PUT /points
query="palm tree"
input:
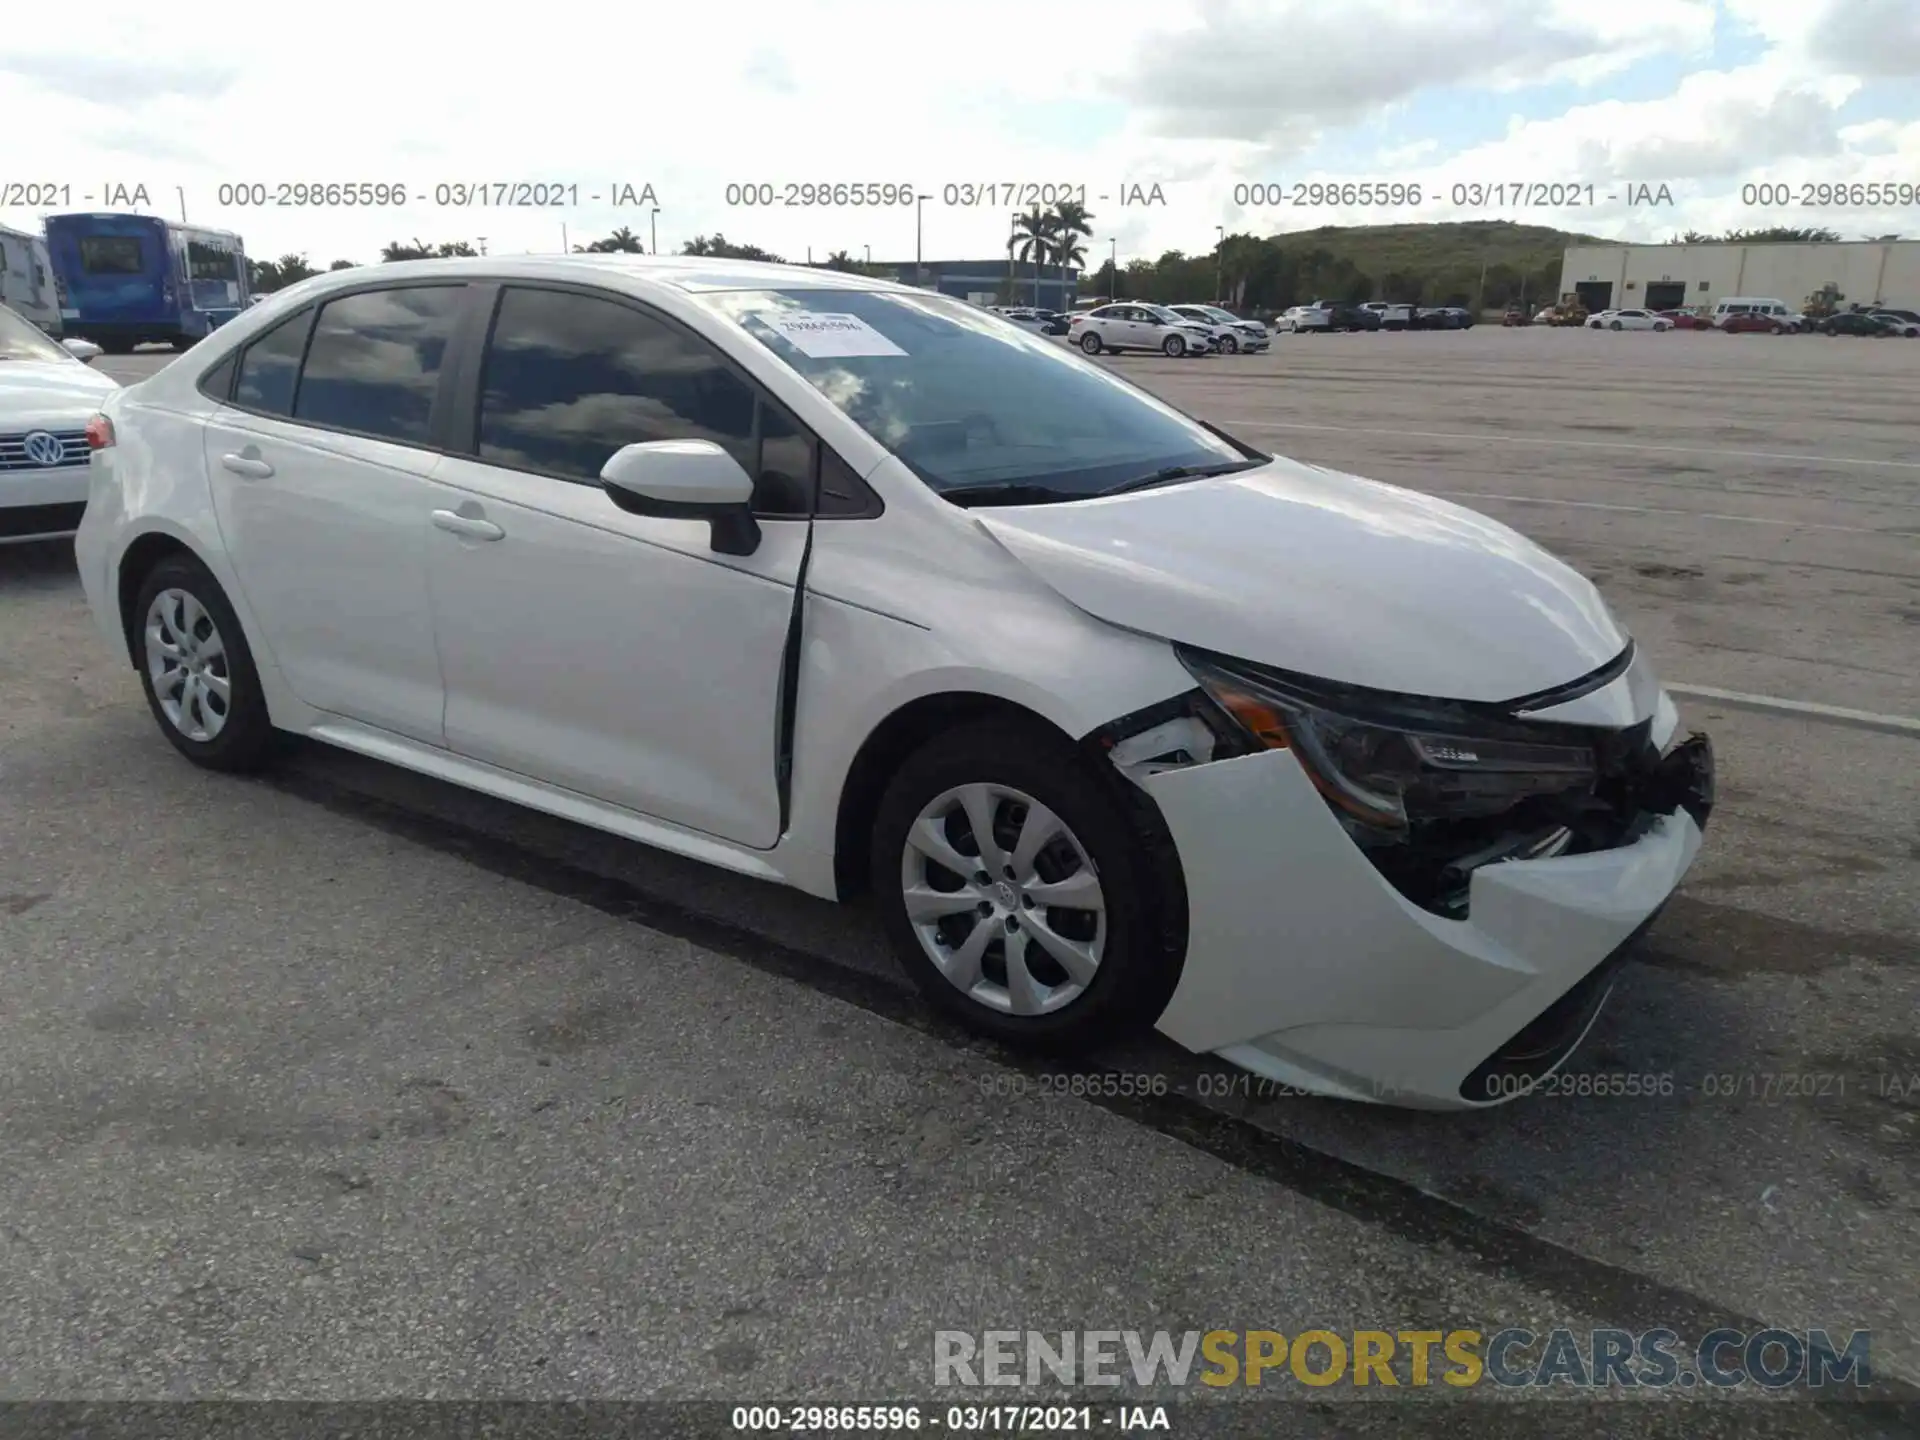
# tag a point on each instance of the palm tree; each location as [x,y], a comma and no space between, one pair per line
[621,242]
[1072,223]
[1073,218]
[1032,239]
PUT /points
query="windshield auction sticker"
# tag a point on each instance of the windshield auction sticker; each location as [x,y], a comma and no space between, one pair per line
[828,337]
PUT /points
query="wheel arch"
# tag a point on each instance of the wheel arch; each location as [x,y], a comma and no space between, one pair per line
[136,562]
[887,746]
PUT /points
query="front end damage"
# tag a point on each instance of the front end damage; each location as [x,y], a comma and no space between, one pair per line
[1411,901]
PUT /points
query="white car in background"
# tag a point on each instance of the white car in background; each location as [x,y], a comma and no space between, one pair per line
[1121,720]
[1305,317]
[47,397]
[1230,333]
[1132,325]
[1628,320]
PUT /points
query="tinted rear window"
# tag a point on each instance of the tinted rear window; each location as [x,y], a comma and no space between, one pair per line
[270,365]
[374,363]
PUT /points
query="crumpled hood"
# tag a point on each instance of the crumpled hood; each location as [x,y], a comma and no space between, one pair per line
[1327,575]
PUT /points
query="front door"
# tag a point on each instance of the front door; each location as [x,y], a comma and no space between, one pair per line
[320,484]
[614,655]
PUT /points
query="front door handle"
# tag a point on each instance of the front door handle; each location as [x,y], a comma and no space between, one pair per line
[247,465]
[471,526]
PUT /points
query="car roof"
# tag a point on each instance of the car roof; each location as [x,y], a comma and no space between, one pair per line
[694,274]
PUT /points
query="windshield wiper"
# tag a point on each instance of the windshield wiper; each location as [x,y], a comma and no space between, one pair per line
[1178,472]
[1007,492]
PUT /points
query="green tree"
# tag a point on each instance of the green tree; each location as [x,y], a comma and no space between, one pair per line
[266,276]
[344,265]
[719,246]
[1402,287]
[621,242]
[418,249]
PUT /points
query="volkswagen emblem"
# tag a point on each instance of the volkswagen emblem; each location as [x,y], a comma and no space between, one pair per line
[44,448]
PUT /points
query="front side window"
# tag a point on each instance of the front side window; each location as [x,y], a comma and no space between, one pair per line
[110,254]
[966,403]
[570,379]
[374,362]
[270,366]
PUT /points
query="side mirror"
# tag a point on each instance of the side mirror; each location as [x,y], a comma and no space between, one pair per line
[686,480]
[82,350]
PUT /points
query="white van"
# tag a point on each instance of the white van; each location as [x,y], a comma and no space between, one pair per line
[26,280]
[1755,305]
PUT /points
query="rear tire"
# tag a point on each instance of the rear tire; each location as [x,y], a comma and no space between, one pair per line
[1090,343]
[995,975]
[196,669]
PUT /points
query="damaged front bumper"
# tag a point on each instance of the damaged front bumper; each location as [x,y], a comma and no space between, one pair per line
[1306,966]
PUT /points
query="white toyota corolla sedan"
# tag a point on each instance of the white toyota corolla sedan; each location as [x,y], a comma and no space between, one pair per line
[46,398]
[850,586]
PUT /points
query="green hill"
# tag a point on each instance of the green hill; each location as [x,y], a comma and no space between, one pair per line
[1435,249]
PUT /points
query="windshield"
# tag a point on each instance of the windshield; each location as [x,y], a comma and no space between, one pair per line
[964,401]
[1162,312]
[22,341]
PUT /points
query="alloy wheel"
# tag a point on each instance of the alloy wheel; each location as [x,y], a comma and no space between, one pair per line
[1004,899]
[187,663]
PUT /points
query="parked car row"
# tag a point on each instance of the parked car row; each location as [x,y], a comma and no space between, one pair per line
[1742,315]
[1329,315]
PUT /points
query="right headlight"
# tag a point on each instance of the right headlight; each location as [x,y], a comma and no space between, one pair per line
[1386,763]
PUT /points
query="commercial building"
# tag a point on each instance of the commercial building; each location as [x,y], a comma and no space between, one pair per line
[1666,277]
[982,281]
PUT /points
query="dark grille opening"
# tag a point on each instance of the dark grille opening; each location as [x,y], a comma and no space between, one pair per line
[18,520]
[1433,864]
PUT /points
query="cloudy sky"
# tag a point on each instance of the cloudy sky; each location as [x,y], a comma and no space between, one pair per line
[1193,96]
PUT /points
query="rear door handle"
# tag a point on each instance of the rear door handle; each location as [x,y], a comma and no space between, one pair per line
[470,526]
[247,465]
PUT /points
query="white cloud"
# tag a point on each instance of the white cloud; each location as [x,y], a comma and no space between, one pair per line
[1187,95]
[1283,71]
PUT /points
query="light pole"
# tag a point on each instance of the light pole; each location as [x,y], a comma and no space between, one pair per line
[1113,264]
[181,191]
[1219,267]
[919,211]
[483,243]
[653,229]
[869,250]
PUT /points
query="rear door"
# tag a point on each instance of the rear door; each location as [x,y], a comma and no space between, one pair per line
[319,465]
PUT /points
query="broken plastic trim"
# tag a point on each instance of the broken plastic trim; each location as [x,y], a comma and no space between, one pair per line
[1171,735]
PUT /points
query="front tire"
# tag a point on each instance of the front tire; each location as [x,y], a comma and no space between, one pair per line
[196,669]
[1229,345]
[1173,347]
[1045,933]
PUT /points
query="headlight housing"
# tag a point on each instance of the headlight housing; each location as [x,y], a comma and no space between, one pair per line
[1387,764]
